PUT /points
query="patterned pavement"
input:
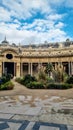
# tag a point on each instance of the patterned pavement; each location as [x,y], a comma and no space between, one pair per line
[6,124]
[17,113]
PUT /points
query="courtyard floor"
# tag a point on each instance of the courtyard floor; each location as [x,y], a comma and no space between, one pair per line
[25,109]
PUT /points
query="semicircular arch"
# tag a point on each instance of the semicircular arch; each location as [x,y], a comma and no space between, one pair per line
[9,50]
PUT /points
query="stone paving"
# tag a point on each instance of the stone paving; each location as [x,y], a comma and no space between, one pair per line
[28,113]
[6,124]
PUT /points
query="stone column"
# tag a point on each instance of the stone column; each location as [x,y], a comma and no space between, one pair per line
[69,68]
[0,69]
[3,68]
[72,68]
[14,69]
[18,69]
[39,65]
[31,69]
[21,69]
[56,64]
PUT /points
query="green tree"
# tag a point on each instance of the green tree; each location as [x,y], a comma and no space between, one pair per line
[49,69]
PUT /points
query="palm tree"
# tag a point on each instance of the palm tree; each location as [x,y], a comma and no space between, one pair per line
[49,69]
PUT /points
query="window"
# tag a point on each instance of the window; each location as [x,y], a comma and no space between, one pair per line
[9,56]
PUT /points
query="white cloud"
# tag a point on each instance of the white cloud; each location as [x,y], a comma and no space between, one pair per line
[65,3]
[18,10]
[49,28]
[26,8]
[23,9]
[45,24]
[55,16]
[53,33]
[4,15]
[60,25]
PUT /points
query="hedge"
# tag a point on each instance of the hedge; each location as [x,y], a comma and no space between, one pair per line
[70,80]
[35,85]
[59,86]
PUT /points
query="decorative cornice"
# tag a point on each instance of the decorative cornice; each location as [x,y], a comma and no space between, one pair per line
[9,49]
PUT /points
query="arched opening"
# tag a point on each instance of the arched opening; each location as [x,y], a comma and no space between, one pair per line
[9,56]
[8,68]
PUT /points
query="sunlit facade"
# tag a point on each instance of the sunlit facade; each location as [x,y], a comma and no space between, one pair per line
[21,60]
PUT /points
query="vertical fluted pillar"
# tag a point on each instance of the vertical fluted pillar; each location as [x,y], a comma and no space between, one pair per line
[0,69]
[69,72]
[3,68]
[31,69]
[14,69]
[18,69]
[21,69]
[28,68]
[71,68]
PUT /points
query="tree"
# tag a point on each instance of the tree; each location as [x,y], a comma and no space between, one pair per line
[49,69]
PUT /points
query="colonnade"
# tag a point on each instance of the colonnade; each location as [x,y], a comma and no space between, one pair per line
[70,68]
[31,67]
[31,71]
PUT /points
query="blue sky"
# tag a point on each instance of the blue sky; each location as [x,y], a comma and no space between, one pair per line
[36,21]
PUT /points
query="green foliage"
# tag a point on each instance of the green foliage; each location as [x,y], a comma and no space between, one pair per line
[35,85]
[29,78]
[59,86]
[50,80]
[26,79]
[41,76]
[5,78]
[49,68]
[70,80]
[59,74]
[30,82]
[18,80]
[7,86]
[46,82]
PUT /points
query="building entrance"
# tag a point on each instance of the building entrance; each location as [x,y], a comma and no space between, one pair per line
[9,68]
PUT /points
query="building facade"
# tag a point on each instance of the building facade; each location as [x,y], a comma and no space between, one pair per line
[22,60]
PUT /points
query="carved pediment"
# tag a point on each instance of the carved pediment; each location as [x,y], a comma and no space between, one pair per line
[9,50]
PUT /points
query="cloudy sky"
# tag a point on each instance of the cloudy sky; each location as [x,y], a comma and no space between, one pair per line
[36,21]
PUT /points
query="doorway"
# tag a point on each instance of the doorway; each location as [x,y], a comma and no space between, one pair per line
[9,68]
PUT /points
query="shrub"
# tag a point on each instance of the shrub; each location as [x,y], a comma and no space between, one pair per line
[41,75]
[7,86]
[70,80]
[5,78]
[50,80]
[26,79]
[59,86]
[2,87]
[1,81]
[18,80]
[29,78]
[35,85]
[9,76]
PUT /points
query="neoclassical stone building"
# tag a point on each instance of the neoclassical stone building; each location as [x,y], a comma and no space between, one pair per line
[21,60]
